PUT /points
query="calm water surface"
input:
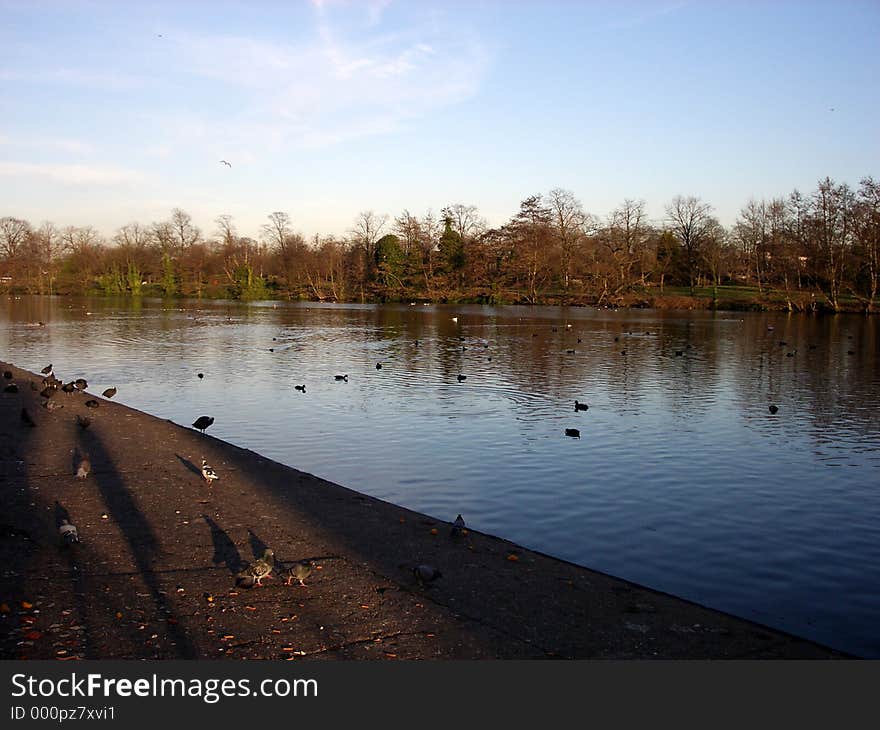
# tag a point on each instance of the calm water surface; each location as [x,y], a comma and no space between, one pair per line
[681,479]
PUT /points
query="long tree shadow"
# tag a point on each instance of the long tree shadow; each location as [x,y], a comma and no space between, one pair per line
[258,547]
[142,541]
[225,550]
[189,465]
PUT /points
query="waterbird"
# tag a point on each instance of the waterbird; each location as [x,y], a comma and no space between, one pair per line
[773,409]
[578,406]
[83,468]
[202,422]
[48,391]
[26,417]
[109,393]
[679,353]
[378,366]
[262,567]
[224,162]
[425,573]
[83,421]
[573,432]
[67,533]
[341,377]
[92,403]
[299,571]
[46,370]
[458,527]
[462,377]
[201,375]
[301,388]
[208,472]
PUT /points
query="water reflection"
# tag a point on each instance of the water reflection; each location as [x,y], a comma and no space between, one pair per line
[681,479]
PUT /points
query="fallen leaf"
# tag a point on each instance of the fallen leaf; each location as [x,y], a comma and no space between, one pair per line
[364,605]
[118,614]
[26,606]
[512,558]
[433,530]
[251,608]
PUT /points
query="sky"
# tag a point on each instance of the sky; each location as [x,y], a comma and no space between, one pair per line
[112,112]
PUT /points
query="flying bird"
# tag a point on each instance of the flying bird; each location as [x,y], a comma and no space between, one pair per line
[68,533]
[109,393]
[224,162]
[208,472]
[202,422]
[299,571]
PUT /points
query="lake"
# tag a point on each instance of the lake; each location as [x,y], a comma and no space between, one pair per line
[681,478]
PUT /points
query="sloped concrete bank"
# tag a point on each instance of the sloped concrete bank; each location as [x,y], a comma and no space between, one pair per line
[156,571]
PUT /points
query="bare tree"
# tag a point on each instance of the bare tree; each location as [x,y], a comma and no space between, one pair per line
[569,221]
[690,220]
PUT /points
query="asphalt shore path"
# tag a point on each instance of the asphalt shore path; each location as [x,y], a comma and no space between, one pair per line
[156,572]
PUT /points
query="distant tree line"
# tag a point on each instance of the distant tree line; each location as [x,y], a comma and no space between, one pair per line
[820,250]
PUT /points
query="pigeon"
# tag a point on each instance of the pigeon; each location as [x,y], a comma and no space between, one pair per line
[301,388]
[46,370]
[224,162]
[83,421]
[773,409]
[51,405]
[458,527]
[80,384]
[208,472]
[68,533]
[581,406]
[68,388]
[299,571]
[202,422]
[342,377]
[573,432]
[83,468]
[426,573]
[263,567]
[26,417]
[11,388]
[92,403]
[109,393]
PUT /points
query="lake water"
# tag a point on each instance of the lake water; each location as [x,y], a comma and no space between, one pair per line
[681,479]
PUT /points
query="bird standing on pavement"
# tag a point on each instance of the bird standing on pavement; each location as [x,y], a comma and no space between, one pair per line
[426,573]
[458,527]
[299,571]
[208,472]
[262,567]
[84,467]
[202,422]
[68,533]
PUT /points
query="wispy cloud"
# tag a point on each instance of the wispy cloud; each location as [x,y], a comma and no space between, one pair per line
[71,174]
[30,142]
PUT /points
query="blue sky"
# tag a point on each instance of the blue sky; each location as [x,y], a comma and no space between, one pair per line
[121,111]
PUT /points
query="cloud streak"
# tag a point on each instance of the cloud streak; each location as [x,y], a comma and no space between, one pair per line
[71,174]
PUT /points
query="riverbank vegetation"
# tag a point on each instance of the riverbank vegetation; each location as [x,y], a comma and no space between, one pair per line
[802,252]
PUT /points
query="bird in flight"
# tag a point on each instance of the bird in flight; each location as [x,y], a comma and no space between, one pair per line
[226,163]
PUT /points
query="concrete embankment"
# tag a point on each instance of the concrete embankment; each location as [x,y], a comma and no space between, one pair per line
[155,572]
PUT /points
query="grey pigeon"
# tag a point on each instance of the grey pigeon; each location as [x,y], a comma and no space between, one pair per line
[80,384]
[68,533]
[263,567]
[299,571]
[426,573]
[68,388]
